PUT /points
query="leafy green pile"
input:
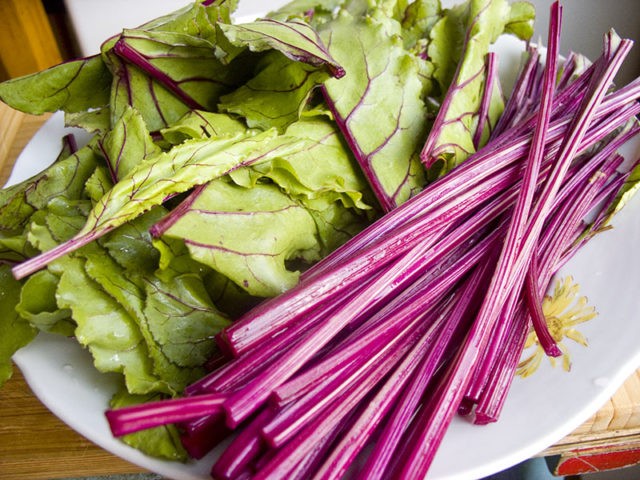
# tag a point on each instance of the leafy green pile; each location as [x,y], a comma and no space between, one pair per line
[225,159]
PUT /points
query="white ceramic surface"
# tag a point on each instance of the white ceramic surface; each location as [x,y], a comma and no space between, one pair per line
[539,411]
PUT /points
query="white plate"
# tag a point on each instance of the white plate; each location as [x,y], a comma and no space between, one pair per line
[539,411]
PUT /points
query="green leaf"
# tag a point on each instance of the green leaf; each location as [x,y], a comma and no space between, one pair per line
[324,178]
[14,331]
[155,331]
[174,258]
[395,9]
[325,170]
[377,64]
[134,88]
[56,223]
[419,18]
[521,18]
[335,224]
[98,184]
[294,38]
[104,324]
[39,307]
[96,121]
[65,178]
[446,45]
[43,203]
[150,183]
[172,64]
[176,261]
[182,319]
[174,314]
[128,298]
[15,211]
[459,45]
[194,19]
[173,309]
[228,296]
[198,124]
[105,328]
[276,96]
[15,249]
[127,144]
[71,86]
[322,10]
[184,166]
[131,244]
[189,63]
[247,234]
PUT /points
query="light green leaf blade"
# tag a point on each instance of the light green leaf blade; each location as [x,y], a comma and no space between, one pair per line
[380,76]
[38,305]
[459,45]
[247,234]
[325,170]
[14,331]
[155,326]
[182,319]
[176,261]
[277,95]
[127,144]
[201,125]
[65,178]
[520,19]
[183,167]
[96,121]
[322,10]
[176,171]
[294,38]
[186,64]
[106,329]
[72,86]
[133,88]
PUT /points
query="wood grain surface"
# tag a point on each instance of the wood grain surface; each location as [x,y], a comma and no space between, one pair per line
[27,42]
[34,444]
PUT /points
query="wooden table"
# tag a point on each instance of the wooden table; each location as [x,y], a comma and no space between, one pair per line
[34,444]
